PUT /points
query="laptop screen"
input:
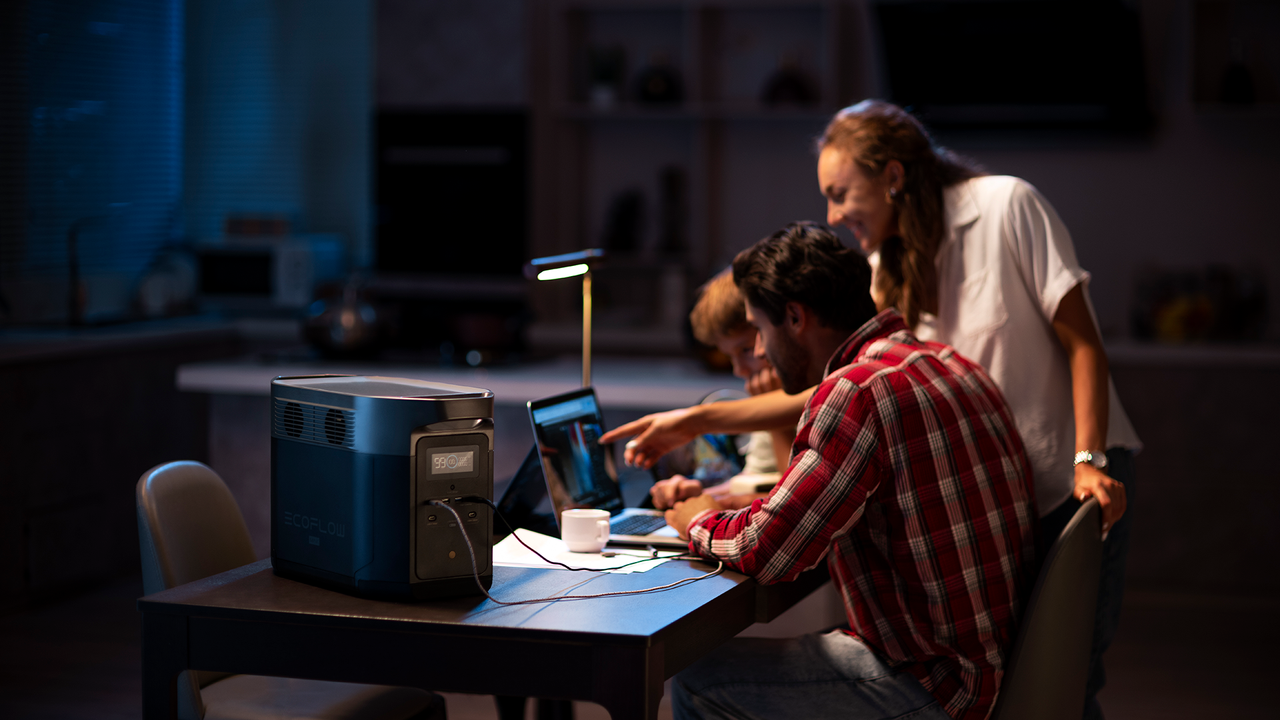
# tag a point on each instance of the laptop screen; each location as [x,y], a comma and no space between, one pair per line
[580,472]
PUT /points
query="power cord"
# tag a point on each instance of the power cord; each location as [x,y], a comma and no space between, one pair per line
[653,555]
[475,570]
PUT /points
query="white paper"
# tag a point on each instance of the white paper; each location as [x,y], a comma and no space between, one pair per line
[511,553]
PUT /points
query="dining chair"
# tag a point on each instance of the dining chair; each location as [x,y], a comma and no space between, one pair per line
[190,527]
[1045,675]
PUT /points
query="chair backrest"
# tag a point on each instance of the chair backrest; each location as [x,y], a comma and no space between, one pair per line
[189,525]
[1045,674]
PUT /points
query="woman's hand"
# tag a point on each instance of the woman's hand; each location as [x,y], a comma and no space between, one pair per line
[656,435]
[666,493]
[1092,482]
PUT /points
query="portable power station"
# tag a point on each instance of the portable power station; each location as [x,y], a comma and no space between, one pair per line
[355,461]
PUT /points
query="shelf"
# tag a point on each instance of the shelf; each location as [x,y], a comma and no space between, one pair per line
[691,182]
[1233,54]
[1130,353]
[1269,110]
[692,113]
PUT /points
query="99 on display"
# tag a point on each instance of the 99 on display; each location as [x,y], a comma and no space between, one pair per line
[447,463]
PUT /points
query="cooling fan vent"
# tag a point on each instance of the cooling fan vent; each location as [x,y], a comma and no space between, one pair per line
[314,423]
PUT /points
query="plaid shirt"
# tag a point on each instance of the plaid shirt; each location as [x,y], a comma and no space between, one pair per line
[908,475]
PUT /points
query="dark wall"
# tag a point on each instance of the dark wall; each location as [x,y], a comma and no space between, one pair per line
[80,428]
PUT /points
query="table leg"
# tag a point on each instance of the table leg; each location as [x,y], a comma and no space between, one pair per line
[628,682]
[164,657]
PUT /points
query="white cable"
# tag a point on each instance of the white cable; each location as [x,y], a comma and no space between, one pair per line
[475,571]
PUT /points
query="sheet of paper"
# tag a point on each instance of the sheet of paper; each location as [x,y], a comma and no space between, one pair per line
[511,553]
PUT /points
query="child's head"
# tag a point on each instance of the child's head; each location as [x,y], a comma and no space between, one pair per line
[720,319]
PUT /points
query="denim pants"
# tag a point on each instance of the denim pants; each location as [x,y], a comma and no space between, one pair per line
[1111,584]
[820,675]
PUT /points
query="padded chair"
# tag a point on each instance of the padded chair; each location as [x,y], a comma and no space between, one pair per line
[1046,672]
[190,527]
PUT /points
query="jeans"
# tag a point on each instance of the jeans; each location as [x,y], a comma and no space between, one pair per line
[1111,583]
[820,675]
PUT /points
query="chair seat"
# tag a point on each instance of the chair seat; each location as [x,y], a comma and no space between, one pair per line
[256,697]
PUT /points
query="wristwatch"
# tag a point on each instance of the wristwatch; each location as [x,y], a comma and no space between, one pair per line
[1096,458]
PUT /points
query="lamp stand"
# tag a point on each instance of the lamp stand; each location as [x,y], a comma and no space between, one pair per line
[586,329]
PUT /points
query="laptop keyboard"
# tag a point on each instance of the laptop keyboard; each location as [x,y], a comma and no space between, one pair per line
[637,524]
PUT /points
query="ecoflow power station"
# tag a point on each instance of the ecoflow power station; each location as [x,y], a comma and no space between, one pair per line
[355,461]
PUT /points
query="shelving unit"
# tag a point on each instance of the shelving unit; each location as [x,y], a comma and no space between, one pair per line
[672,189]
[1234,55]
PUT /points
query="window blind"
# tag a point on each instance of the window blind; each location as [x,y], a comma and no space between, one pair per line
[98,84]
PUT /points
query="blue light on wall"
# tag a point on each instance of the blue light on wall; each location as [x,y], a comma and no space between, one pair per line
[104,144]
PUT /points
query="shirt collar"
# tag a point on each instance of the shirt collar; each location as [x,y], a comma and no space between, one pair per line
[961,208]
[882,325]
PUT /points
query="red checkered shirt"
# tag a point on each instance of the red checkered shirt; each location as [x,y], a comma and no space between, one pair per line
[908,475]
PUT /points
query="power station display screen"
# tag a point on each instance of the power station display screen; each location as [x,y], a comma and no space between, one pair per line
[451,461]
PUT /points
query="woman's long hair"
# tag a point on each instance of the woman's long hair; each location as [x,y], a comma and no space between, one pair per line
[874,132]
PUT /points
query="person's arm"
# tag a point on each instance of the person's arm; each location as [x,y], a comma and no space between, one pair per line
[660,433]
[778,537]
[1089,395]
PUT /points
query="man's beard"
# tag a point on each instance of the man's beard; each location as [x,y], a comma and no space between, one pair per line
[791,362]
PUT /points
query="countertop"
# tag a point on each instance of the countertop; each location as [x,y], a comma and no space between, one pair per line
[641,384]
[19,344]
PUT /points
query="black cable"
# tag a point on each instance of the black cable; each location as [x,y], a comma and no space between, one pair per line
[475,570]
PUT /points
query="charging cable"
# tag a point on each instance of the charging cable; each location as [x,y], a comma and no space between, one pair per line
[475,570]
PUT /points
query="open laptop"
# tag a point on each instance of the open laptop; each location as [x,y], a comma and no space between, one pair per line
[581,473]
[524,502]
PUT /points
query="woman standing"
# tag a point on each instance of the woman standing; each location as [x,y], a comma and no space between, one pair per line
[984,264]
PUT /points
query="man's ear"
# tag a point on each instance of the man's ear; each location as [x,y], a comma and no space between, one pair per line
[796,318]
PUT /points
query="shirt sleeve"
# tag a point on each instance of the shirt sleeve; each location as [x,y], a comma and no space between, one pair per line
[836,464]
[1041,247]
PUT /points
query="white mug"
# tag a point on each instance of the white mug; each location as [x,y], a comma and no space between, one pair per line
[584,529]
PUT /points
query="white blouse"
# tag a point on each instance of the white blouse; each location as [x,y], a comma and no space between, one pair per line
[1006,263]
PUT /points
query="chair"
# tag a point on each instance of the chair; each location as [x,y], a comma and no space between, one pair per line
[1045,674]
[190,527]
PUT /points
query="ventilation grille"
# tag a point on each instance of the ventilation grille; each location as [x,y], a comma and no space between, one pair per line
[313,423]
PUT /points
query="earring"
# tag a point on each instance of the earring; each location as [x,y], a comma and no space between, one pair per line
[893,194]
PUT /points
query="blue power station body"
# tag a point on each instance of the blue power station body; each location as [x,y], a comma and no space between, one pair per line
[355,464]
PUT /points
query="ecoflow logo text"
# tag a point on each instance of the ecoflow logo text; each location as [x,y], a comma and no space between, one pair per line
[315,524]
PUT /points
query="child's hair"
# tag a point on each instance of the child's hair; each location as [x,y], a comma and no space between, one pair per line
[720,311]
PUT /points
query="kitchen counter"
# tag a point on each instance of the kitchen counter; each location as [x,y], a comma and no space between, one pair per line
[646,384]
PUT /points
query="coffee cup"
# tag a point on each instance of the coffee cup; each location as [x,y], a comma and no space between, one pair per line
[584,529]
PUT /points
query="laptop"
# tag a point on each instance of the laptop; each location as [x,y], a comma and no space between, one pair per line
[524,503]
[581,473]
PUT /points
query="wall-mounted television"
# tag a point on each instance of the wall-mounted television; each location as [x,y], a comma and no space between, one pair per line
[1016,64]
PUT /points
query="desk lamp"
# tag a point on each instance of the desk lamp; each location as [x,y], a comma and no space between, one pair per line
[557,267]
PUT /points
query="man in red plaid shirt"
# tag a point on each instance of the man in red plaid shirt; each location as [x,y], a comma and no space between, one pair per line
[907,475]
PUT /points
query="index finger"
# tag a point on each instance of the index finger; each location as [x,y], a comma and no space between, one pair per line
[635,427]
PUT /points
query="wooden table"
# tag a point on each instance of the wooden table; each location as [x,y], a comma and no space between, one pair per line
[613,651]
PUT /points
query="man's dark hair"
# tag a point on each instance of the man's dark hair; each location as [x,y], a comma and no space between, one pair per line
[805,262]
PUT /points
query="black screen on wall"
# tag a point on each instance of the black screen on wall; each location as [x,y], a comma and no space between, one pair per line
[451,192]
[992,64]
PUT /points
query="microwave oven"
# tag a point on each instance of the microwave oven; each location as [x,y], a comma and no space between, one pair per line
[251,274]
